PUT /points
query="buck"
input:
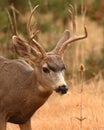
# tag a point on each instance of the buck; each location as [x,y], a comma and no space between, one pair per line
[24,89]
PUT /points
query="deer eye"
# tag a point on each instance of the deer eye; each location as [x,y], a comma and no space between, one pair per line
[46,70]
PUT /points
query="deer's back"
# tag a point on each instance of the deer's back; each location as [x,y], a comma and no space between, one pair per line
[13,70]
[14,75]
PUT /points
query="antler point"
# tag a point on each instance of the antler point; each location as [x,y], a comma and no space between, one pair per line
[86,34]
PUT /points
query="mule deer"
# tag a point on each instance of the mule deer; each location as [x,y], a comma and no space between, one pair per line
[24,89]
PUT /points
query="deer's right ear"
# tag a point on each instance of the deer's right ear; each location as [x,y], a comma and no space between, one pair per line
[23,49]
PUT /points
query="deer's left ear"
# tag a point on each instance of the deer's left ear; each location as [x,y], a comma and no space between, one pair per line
[23,49]
[65,36]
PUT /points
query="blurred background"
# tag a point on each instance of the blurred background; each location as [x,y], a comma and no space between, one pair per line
[52,19]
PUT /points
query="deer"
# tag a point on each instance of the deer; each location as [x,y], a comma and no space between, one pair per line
[23,88]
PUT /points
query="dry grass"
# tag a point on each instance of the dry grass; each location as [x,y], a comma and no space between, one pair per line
[60,112]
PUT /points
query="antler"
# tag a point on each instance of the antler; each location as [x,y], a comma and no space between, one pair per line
[32,35]
[61,47]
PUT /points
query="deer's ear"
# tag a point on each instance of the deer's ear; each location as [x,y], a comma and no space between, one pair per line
[23,49]
[64,37]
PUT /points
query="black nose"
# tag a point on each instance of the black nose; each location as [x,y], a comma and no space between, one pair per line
[62,89]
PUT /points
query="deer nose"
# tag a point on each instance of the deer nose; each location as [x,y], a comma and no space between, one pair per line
[62,89]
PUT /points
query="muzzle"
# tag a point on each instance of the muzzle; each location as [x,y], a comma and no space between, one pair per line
[62,89]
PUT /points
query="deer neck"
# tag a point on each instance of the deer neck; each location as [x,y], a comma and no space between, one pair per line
[41,89]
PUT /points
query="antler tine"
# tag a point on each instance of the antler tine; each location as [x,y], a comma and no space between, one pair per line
[31,38]
[29,21]
[12,19]
[74,36]
[72,39]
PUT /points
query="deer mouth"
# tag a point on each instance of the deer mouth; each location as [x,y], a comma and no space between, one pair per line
[61,89]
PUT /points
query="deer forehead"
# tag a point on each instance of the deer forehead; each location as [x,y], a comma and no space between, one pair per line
[54,63]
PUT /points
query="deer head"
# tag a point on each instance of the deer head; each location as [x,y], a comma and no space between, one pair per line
[49,65]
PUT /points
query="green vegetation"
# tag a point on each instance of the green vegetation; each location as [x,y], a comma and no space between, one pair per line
[96,11]
[95,64]
[50,14]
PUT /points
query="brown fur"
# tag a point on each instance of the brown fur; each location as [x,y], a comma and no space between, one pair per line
[19,93]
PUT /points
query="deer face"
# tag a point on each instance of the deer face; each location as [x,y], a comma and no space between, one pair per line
[52,74]
[50,66]
[49,71]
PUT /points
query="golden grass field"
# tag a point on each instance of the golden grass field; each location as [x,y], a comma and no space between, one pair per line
[61,112]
